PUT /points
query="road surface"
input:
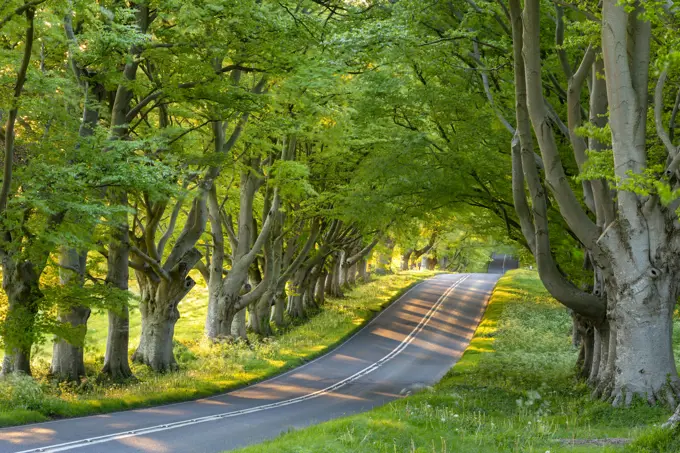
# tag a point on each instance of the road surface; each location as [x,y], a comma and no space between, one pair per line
[500,264]
[411,344]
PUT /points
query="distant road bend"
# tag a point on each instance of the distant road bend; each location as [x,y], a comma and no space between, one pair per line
[411,344]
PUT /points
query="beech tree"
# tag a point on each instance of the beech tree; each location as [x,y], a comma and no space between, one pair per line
[631,240]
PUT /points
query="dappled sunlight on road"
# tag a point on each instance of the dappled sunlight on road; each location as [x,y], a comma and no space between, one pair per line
[121,425]
[33,435]
[144,444]
[349,359]
[163,411]
[212,402]
[388,333]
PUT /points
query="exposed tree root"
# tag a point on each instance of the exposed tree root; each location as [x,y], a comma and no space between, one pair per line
[666,395]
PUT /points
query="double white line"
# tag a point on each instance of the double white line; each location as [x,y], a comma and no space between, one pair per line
[166,427]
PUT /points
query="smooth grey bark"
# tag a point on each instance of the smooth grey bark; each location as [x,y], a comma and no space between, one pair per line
[308,301]
[252,321]
[343,269]
[351,275]
[577,219]
[405,259]
[636,254]
[280,298]
[238,326]
[641,243]
[279,309]
[333,286]
[537,234]
[160,297]
[295,307]
[362,269]
[67,357]
[226,300]
[602,195]
[320,286]
[260,311]
[116,363]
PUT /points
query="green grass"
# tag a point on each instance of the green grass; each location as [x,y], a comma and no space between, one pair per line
[514,390]
[206,368]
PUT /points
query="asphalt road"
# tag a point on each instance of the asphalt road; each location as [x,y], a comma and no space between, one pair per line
[500,264]
[411,344]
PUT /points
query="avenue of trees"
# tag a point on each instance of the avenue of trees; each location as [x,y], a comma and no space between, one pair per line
[156,143]
[273,147]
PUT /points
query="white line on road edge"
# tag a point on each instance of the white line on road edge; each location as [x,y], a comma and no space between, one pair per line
[165,427]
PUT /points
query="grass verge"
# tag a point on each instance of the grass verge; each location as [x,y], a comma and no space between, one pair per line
[512,391]
[206,368]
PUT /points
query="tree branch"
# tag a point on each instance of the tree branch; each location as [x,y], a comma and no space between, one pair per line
[12,117]
[155,265]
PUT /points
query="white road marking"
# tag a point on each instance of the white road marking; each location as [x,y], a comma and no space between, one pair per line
[166,427]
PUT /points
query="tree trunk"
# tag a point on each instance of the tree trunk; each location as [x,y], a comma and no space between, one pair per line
[116,364]
[295,306]
[159,316]
[260,314]
[362,267]
[352,275]
[308,301]
[335,289]
[320,287]
[20,282]
[155,346]
[643,313]
[329,281]
[600,354]
[576,329]
[586,341]
[279,308]
[220,327]
[18,359]
[405,258]
[343,273]
[67,358]
[239,326]
[160,298]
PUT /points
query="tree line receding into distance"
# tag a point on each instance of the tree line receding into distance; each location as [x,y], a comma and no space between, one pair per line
[270,148]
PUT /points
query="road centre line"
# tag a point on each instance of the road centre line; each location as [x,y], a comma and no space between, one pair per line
[180,424]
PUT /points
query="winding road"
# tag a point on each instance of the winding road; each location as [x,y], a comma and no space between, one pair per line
[411,344]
